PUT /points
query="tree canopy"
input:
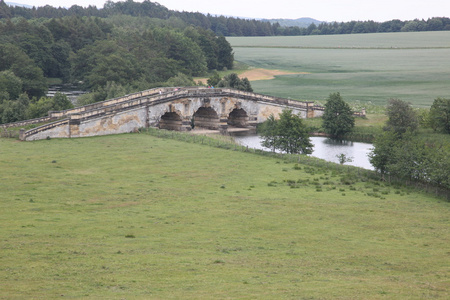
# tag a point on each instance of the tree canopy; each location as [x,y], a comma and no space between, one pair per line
[401,117]
[221,25]
[287,134]
[412,158]
[233,81]
[130,53]
[338,118]
[440,115]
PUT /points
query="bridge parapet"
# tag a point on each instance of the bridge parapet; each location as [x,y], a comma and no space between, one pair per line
[146,108]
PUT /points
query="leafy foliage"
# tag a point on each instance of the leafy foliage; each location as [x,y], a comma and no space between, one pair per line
[287,134]
[46,104]
[214,79]
[408,157]
[338,117]
[220,25]
[128,52]
[439,115]
[15,60]
[402,117]
[233,81]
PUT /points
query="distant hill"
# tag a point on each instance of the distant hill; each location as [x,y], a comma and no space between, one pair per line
[18,4]
[301,22]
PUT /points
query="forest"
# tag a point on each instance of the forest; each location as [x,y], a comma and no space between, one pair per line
[221,25]
[107,56]
[128,46]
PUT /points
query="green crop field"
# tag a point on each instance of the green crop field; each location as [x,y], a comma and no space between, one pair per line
[136,216]
[413,67]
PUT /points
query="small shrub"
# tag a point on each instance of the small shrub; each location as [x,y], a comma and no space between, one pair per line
[347,180]
[130,236]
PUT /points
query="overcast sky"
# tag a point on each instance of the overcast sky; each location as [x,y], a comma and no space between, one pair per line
[323,10]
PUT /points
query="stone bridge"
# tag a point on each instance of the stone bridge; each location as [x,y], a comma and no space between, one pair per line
[169,108]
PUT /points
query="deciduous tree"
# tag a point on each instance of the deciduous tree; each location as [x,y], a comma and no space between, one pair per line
[233,81]
[287,134]
[338,118]
[401,117]
[439,116]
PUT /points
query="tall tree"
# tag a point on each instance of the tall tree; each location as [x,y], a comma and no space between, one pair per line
[14,59]
[338,118]
[440,114]
[287,134]
[382,155]
[225,57]
[401,117]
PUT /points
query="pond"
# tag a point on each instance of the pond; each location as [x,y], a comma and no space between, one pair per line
[324,148]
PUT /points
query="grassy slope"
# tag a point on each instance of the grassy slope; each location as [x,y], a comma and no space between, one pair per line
[370,68]
[134,216]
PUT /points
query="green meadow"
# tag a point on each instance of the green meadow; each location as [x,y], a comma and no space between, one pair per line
[137,216]
[364,68]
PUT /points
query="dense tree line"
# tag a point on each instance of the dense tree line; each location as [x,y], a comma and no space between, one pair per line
[400,152]
[103,55]
[220,25]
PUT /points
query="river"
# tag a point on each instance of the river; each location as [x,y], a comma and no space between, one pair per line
[324,148]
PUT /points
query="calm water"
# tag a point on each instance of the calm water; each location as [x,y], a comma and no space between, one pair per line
[324,148]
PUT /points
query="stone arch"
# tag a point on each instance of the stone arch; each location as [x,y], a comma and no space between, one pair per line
[206,117]
[170,121]
[238,117]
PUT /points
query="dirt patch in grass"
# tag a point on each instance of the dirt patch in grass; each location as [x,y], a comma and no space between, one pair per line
[258,74]
[265,74]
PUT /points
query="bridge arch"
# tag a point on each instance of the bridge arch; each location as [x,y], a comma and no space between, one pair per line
[171,121]
[206,117]
[238,117]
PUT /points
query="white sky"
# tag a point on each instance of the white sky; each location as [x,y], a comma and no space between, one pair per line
[323,10]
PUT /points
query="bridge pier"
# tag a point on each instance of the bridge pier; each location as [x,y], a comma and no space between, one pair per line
[186,125]
[173,109]
[223,124]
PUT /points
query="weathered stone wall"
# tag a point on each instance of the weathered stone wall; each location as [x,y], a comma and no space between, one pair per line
[60,131]
[121,122]
[211,107]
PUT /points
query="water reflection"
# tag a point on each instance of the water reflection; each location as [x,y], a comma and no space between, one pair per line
[325,148]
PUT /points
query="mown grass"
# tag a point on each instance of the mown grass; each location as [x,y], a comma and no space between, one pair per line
[368,68]
[137,216]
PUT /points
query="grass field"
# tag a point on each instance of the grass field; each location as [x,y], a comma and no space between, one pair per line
[139,217]
[371,68]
